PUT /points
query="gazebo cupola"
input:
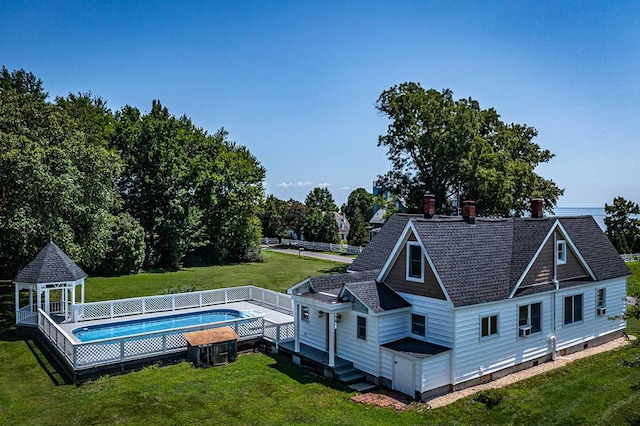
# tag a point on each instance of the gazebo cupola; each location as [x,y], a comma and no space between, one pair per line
[50,273]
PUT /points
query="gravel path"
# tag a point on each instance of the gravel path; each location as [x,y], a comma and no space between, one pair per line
[447,399]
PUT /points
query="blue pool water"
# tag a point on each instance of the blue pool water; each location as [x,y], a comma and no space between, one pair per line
[128,328]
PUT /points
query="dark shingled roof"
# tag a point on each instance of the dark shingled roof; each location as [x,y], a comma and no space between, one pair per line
[51,265]
[377,296]
[375,254]
[333,283]
[482,263]
[595,248]
[416,348]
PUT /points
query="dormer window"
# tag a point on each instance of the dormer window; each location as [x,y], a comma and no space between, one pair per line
[561,252]
[415,266]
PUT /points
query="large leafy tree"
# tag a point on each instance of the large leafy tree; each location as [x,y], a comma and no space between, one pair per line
[321,199]
[56,179]
[358,231]
[453,147]
[296,216]
[360,200]
[623,230]
[273,217]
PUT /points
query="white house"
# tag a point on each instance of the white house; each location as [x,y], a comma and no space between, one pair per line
[435,304]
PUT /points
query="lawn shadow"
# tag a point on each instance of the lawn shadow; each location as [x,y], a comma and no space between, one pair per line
[7,312]
[49,364]
[303,375]
[337,269]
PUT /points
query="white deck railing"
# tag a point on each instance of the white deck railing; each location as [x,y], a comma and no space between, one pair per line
[174,302]
[27,315]
[311,245]
[117,350]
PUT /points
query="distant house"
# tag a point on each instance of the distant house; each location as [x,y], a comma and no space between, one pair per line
[435,304]
[343,226]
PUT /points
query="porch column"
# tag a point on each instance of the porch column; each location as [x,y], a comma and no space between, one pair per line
[73,294]
[17,301]
[332,339]
[296,326]
[38,298]
[30,299]
[47,306]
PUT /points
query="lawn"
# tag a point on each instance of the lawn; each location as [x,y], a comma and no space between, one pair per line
[261,389]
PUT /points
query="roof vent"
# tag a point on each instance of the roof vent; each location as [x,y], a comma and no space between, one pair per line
[429,205]
[536,207]
[469,211]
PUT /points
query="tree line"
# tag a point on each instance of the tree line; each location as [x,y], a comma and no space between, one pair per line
[119,191]
[314,220]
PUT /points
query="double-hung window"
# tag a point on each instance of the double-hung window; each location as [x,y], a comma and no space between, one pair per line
[489,326]
[530,316]
[415,269]
[418,324]
[561,252]
[362,328]
[572,309]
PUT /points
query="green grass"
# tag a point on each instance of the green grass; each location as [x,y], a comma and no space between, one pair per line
[633,282]
[264,390]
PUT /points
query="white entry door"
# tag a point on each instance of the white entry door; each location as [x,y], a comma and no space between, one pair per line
[403,376]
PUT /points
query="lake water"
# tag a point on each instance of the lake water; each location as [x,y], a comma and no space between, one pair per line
[597,213]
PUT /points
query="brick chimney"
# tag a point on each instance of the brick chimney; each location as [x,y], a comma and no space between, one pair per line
[429,205]
[469,211]
[536,207]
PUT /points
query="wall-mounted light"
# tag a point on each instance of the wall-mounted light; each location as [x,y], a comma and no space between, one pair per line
[338,318]
[320,314]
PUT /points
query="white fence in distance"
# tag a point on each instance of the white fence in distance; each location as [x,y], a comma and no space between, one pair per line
[631,257]
[311,245]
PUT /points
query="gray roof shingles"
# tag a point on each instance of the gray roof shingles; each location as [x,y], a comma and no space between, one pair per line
[51,265]
[377,296]
[379,248]
[482,262]
[416,348]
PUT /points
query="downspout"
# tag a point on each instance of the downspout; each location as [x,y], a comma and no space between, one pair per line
[556,285]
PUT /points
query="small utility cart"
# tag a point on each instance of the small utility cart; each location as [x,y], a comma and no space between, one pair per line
[216,346]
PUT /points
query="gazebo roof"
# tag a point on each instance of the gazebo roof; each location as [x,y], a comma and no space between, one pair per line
[51,265]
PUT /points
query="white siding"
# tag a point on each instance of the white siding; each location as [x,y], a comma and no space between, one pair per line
[439,318]
[313,332]
[393,327]
[591,326]
[363,353]
[435,371]
[475,356]
[386,363]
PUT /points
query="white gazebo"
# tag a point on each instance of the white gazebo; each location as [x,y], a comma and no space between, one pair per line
[50,273]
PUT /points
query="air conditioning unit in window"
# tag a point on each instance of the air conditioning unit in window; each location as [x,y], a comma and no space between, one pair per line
[525,331]
[601,311]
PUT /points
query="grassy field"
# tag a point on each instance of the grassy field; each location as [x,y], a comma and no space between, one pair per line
[265,390]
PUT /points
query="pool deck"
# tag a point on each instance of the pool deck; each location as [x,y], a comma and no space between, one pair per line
[269,314]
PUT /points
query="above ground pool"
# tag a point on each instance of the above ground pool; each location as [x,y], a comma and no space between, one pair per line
[147,325]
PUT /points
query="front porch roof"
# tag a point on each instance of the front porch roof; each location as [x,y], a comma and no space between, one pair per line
[378,297]
[415,348]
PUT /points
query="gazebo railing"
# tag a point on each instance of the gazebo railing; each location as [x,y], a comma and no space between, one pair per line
[174,302]
[27,315]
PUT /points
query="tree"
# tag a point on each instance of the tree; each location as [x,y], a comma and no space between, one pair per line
[358,231]
[439,145]
[360,200]
[158,181]
[622,229]
[321,227]
[56,182]
[321,199]
[296,217]
[273,217]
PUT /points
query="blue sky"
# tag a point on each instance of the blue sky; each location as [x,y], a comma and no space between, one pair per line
[296,82]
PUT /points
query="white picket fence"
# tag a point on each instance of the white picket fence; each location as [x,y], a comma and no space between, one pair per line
[310,245]
[631,257]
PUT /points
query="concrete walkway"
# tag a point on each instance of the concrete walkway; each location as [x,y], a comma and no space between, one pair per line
[307,253]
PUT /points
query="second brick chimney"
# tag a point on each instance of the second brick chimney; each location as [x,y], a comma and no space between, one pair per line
[429,205]
[469,211]
[536,207]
